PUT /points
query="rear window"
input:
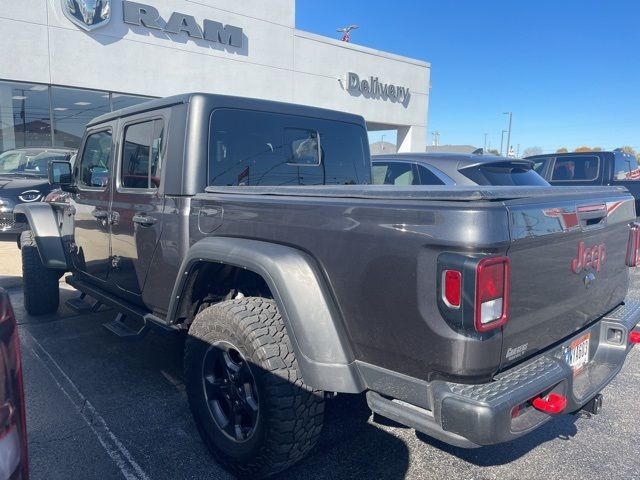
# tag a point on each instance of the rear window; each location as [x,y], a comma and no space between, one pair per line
[626,168]
[576,168]
[249,148]
[504,174]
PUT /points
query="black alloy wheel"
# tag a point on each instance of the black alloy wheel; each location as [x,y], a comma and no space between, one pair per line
[231,392]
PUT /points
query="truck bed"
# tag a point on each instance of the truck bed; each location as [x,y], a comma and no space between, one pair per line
[379,247]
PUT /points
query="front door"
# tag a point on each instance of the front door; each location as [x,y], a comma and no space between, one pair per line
[91,203]
[137,205]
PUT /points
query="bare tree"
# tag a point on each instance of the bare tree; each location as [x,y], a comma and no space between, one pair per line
[530,151]
[562,150]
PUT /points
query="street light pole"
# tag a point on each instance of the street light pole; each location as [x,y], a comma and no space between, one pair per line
[485,142]
[509,135]
[502,142]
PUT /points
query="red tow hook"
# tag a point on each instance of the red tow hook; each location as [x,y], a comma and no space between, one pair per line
[552,403]
[634,337]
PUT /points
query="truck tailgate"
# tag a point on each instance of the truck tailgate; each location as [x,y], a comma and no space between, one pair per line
[568,267]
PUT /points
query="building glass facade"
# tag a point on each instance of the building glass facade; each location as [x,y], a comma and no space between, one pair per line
[36,115]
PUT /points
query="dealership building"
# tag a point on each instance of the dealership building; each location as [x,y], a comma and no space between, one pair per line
[64,62]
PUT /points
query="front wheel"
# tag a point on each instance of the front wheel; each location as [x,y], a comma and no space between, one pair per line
[39,283]
[246,393]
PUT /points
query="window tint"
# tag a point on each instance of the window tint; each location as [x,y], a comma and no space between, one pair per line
[504,174]
[72,110]
[395,173]
[427,177]
[576,168]
[141,155]
[96,160]
[29,162]
[626,168]
[257,148]
[539,165]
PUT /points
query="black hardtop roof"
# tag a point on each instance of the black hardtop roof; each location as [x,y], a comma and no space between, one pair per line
[222,101]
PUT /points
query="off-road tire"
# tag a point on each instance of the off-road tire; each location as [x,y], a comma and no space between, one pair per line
[40,284]
[290,413]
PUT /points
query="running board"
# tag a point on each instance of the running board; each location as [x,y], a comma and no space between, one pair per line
[126,309]
[119,328]
[81,306]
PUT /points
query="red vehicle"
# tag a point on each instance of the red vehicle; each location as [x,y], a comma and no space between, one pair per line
[13,429]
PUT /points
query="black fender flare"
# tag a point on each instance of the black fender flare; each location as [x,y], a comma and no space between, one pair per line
[310,315]
[43,222]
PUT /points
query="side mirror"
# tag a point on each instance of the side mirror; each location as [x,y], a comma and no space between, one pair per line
[60,175]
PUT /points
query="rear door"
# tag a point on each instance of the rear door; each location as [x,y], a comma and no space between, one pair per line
[136,209]
[91,203]
[567,267]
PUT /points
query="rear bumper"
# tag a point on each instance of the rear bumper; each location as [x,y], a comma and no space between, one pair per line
[485,414]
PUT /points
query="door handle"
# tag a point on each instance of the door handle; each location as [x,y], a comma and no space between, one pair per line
[99,214]
[143,220]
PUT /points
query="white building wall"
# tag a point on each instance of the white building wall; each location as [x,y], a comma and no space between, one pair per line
[276,61]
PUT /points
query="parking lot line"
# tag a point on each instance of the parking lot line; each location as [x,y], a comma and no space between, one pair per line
[129,468]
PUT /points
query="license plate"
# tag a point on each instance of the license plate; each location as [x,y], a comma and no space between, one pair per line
[577,353]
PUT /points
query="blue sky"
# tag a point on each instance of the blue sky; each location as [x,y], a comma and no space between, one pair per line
[568,70]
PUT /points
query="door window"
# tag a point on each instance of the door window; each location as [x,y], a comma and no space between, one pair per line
[394,173]
[142,155]
[96,160]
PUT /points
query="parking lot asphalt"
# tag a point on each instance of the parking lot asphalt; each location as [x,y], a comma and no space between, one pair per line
[102,407]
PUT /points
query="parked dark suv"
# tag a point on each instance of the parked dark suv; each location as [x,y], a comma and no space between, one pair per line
[591,168]
[24,179]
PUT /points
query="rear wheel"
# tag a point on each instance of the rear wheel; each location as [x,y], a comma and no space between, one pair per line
[40,284]
[245,391]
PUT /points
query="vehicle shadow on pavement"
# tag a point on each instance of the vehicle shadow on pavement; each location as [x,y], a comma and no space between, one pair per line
[351,447]
[562,428]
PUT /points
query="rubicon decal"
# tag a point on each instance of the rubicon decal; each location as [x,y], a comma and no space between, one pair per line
[589,258]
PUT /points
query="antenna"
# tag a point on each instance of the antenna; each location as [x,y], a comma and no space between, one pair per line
[346,31]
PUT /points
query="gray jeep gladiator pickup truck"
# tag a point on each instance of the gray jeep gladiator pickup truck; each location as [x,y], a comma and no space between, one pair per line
[471,314]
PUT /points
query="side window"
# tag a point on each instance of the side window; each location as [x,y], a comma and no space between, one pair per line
[95,163]
[248,148]
[394,173]
[539,165]
[626,168]
[427,177]
[576,169]
[141,155]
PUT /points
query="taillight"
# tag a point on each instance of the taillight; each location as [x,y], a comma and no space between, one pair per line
[633,247]
[452,288]
[13,431]
[492,293]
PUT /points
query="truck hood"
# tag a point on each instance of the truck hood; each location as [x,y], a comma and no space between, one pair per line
[13,186]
